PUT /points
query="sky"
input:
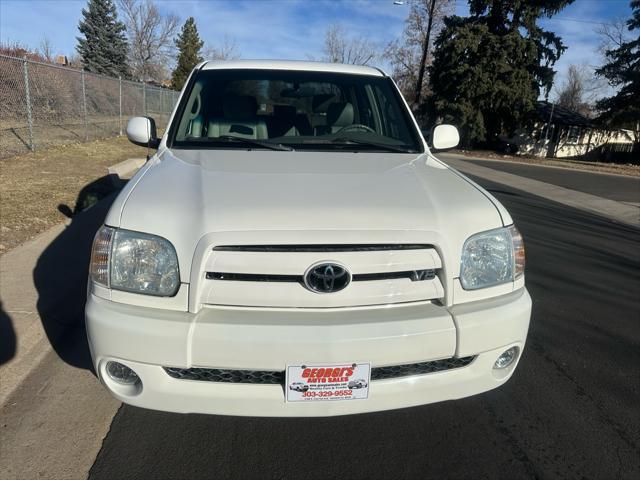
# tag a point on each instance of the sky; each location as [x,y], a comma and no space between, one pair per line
[294,29]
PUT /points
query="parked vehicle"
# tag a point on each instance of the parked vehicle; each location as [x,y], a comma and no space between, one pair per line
[360,383]
[293,214]
[299,387]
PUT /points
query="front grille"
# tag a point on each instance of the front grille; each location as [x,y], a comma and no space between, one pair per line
[226,376]
[270,377]
[380,274]
[397,371]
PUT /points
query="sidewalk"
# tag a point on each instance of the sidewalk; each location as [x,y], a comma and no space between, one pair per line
[51,402]
[42,283]
[54,412]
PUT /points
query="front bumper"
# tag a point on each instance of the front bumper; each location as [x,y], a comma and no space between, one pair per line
[147,340]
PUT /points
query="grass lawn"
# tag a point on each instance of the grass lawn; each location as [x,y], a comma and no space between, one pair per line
[33,185]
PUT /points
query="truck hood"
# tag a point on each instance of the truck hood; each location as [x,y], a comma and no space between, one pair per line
[183,195]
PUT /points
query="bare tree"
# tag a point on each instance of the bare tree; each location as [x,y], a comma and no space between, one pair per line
[410,55]
[612,35]
[46,49]
[150,36]
[340,48]
[227,50]
[580,90]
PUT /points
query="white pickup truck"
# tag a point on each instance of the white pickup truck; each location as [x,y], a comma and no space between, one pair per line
[294,227]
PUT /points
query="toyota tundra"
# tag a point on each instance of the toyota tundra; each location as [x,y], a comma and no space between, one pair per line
[294,228]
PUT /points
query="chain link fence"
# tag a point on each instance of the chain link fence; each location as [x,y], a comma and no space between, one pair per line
[43,105]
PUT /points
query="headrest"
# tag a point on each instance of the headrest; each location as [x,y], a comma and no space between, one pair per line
[241,107]
[340,114]
[321,102]
[284,112]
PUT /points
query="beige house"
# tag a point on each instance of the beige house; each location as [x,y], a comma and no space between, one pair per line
[561,133]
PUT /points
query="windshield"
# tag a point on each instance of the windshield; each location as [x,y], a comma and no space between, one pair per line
[293,110]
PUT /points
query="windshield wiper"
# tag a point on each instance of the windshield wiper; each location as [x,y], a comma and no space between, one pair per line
[384,146]
[252,142]
[351,141]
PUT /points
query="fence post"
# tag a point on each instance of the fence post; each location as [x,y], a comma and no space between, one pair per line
[27,94]
[84,107]
[161,114]
[120,103]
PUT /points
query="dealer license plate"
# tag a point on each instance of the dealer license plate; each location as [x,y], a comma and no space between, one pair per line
[328,382]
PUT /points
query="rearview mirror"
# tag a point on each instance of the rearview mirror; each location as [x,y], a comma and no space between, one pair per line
[142,132]
[444,137]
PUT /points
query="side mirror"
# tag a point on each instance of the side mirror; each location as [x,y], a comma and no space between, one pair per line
[444,137]
[142,132]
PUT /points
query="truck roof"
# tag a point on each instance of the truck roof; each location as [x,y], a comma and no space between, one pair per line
[292,65]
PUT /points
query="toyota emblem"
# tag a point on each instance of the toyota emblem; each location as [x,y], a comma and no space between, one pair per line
[326,277]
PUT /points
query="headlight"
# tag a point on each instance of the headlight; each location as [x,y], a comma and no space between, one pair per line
[491,258]
[134,262]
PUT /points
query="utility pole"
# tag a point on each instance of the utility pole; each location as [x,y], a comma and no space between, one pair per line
[425,51]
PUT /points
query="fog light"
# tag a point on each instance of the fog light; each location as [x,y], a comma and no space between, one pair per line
[506,358]
[122,374]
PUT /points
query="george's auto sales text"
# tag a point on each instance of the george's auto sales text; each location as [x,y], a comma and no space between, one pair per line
[327,382]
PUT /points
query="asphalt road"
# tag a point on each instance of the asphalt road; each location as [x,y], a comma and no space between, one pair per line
[570,411]
[614,187]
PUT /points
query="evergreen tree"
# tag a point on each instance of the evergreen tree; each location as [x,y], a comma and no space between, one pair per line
[189,46]
[103,45]
[489,68]
[623,70]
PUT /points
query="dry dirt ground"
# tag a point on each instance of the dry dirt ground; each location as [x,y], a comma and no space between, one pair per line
[620,169]
[33,185]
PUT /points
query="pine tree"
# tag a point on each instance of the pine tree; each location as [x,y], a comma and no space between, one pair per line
[189,46]
[623,71]
[103,45]
[489,68]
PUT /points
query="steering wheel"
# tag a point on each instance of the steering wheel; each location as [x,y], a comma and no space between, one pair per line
[356,126]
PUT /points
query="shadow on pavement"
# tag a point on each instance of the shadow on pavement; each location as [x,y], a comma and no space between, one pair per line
[61,272]
[7,337]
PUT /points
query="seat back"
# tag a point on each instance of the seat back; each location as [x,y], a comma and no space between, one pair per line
[240,119]
[339,115]
[283,121]
[319,106]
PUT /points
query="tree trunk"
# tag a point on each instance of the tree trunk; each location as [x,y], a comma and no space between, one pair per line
[425,51]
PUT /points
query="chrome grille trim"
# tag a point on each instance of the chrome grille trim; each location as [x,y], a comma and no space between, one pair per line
[414,276]
[270,377]
[320,248]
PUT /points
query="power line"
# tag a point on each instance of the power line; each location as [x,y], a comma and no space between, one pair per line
[567,19]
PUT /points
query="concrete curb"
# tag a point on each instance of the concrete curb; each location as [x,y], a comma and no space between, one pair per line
[126,167]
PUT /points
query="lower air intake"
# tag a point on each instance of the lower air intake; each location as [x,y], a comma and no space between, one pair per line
[270,377]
